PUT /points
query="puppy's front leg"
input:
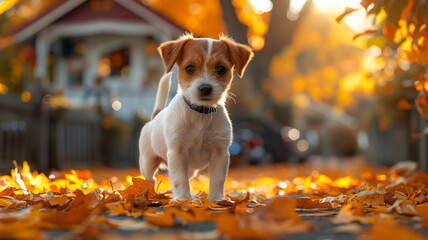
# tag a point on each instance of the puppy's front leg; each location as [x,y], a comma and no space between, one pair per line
[178,169]
[218,167]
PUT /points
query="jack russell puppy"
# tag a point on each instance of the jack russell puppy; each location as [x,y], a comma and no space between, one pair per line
[194,132]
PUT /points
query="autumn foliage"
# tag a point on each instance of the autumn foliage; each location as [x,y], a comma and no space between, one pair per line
[260,207]
[403,23]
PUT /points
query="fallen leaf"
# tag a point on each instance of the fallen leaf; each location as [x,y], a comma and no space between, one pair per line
[116,208]
[351,213]
[381,231]
[372,198]
[139,186]
[308,203]
[10,202]
[403,206]
[87,200]
[64,218]
[236,226]
[7,192]
[279,208]
[159,218]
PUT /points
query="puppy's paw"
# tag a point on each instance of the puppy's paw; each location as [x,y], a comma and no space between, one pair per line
[182,197]
[216,198]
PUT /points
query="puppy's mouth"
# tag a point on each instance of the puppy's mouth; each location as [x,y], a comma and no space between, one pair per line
[205,99]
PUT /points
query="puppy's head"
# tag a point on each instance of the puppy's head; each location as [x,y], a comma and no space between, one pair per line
[205,66]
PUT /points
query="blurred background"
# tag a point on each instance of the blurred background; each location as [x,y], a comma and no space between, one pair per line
[78,80]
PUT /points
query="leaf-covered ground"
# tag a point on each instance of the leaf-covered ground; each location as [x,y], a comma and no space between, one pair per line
[299,201]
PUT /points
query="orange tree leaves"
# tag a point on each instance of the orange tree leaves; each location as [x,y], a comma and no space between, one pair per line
[403,23]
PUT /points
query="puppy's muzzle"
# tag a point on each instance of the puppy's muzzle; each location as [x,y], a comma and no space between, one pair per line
[205,90]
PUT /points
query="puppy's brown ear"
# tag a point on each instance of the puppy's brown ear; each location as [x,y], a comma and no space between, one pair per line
[170,51]
[240,54]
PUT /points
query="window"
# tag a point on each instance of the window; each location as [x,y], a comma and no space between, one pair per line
[114,64]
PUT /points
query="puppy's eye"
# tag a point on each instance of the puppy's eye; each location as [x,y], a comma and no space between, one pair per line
[190,69]
[221,69]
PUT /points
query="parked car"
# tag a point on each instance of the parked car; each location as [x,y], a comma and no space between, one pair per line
[260,141]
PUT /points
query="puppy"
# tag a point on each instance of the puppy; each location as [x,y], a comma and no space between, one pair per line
[194,132]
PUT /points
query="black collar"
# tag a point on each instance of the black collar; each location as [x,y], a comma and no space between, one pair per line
[199,108]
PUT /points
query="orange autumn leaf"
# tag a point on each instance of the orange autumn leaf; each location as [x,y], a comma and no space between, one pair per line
[403,104]
[64,218]
[272,220]
[159,218]
[381,231]
[389,32]
[279,208]
[403,206]
[237,205]
[423,211]
[351,212]
[59,201]
[82,199]
[235,226]
[308,203]
[101,206]
[138,187]
[20,230]
[116,208]
[10,202]
[7,192]
[190,211]
[375,197]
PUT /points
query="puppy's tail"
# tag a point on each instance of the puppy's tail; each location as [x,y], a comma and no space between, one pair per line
[162,93]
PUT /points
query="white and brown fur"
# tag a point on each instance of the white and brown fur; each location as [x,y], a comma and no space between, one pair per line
[186,140]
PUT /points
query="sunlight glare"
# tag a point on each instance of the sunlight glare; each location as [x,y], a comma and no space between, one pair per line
[257,42]
[335,6]
[356,20]
[404,64]
[294,134]
[375,50]
[116,105]
[292,16]
[303,145]
[296,6]
[261,6]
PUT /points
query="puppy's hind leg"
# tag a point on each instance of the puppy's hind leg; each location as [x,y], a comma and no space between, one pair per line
[149,166]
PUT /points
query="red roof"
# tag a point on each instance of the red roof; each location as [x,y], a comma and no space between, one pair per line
[70,11]
[85,12]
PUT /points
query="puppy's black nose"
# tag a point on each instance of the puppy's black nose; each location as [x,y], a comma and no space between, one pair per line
[205,89]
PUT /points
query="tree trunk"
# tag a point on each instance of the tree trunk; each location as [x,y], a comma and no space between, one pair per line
[235,28]
[278,36]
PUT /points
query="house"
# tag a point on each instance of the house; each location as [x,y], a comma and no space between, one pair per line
[99,52]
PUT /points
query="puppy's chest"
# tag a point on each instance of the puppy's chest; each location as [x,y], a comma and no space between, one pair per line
[203,137]
[201,148]
[202,140]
